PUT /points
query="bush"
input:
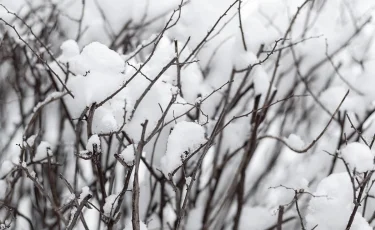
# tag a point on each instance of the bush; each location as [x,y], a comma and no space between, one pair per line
[187,114]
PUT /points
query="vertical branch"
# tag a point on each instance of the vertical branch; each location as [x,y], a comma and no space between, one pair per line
[280,218]
[178,67]
[241,27]
[136,191]
[79,33]
[299,213]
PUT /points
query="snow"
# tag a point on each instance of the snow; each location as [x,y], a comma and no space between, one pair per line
[3,190]
[93,140]
[129,226]
[33,174]
[98,70]
[304,184]
[72,213]
[295,141]
[85,153]
[51,97]
[43,150]
[358,156]
[186,136]
[332,97]
[23,164]
[190,76]
[333,205]
[365,88]
[142,174]
[194,219]
[243,59]
[30,141]
[254,40]
[256,218]
[105,122]
[198,100]
[97,57]
[69,49]
[175,90]
[152,105]
[261,82]
[188,180]
[128,154]
[98,74]
[110,205]
[85,192]
[69,198]
[5,168]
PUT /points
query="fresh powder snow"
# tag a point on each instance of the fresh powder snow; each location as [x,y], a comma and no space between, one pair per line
[185,138]
[358,156]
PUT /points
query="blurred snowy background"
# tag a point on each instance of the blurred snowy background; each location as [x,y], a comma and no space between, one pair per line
[187,114]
